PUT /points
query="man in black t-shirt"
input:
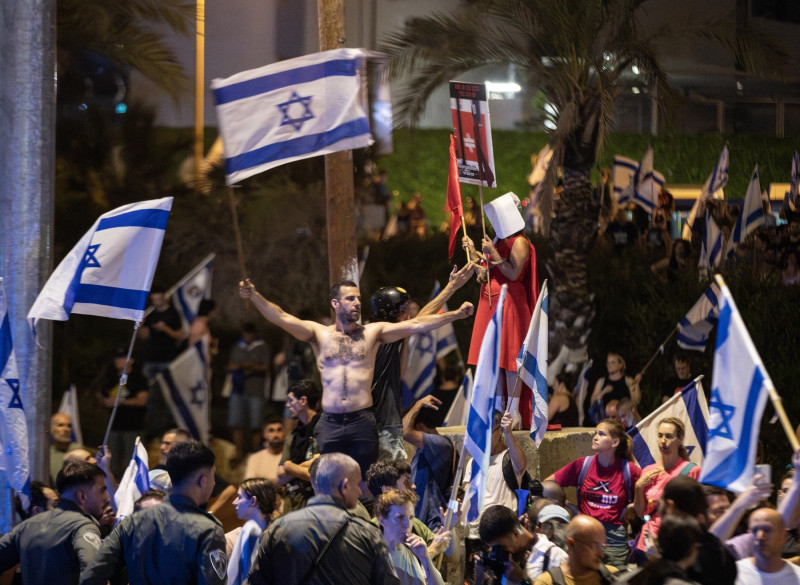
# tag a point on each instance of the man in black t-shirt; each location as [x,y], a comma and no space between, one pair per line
[683,375]
[163,331]
[300,448]
[129,421]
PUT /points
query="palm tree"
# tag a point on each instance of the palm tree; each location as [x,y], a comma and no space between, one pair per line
[127,34]
[580,54]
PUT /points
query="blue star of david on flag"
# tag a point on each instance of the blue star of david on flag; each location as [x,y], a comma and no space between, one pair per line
[198,391]
[304,102]
[16,400]
[89,259]
[726,412]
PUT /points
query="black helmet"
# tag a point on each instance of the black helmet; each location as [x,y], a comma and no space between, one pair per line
[387,301]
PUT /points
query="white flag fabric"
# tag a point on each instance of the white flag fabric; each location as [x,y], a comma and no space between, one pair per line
[791,195]
[581,389]
[244,553]
[186,390]
[478,438]
[690,407]
[532,365]
[713,186]
[623,174]
[751,215]
[459,408]
[109,271]
[711,250]
[135,481]
[191,289]
[13,426]
[648,183]
[69,406]
[291,110]
[739,389]
[694,328]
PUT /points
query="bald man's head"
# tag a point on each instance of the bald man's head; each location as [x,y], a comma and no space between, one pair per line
[586,544]
[61,429]
[769,534]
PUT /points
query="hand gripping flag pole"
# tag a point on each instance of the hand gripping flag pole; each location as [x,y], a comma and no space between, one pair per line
[123,381]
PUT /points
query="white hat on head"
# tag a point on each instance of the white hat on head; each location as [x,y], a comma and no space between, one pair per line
[504,215]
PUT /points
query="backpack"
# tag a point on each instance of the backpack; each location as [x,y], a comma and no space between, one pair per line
[626,476]
[557,575]
[534,486]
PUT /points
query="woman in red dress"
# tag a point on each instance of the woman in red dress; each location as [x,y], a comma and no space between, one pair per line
[512,259]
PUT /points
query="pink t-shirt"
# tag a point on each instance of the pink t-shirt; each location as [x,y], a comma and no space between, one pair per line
[653,494]
[602,494]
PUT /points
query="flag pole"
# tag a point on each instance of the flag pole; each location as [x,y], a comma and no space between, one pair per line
[452,505]
[483,227]
[659,351]
[237,232]
[123,380]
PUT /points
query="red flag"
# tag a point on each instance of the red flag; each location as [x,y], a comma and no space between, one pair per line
[453,199]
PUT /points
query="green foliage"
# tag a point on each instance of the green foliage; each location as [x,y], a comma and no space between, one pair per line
[420,162]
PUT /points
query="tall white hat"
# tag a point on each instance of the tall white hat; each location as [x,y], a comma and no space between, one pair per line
[504,215]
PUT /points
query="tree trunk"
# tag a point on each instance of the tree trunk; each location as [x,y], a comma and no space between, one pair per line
[572,235]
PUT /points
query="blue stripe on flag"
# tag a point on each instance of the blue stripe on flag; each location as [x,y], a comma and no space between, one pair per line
[6,345]
[625,164]
[689,343]
[111,296]
[733,467]
[145,218]
[476,429]
[640,449]
[696,418]
[276,81]
[184,410]
[296,147]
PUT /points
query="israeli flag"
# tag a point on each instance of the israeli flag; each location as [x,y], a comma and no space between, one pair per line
[752,213]
[623,175]
[13,426]
[694,328]
[478,438]
[532,365]
[791,195]
[186,390]
[69,406]
[581,389]
[648,183]
[459,409]
[690,407]
[713,186]
[109,271]
[244,553]
[291,110]
[739,389]
[135,481]
[711,250]
[191,289]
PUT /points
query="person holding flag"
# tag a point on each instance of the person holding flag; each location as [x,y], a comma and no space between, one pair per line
[604,484]
[674,462]
[511,260]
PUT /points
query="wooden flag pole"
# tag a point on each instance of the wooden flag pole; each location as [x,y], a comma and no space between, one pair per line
[483,228]
[659,351]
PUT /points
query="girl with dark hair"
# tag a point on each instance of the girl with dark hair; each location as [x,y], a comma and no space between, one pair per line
[604,483]
[678,539]
[674,462]
[256,503]
[563,408]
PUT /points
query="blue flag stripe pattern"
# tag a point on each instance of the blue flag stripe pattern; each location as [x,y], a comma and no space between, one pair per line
[13,424]
[254,87]
[738,396]
[478,438]
[532,364]
[694,328]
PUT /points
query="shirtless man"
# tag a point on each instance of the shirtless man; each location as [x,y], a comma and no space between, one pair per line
[345,353]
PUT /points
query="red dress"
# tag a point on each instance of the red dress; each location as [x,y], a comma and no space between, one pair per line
[519,305]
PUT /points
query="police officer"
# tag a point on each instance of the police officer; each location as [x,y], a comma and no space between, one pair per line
[56,546]
[176,542]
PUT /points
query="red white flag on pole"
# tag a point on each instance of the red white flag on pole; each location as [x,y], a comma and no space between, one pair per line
[469,109]
[453,204]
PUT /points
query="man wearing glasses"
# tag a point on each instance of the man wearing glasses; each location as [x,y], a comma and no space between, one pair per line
[586,545]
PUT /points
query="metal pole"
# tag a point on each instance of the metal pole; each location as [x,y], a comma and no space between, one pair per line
[123,381]
[27,163]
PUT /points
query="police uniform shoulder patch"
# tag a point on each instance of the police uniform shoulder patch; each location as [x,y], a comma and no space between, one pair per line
[219,562]
[92,539]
